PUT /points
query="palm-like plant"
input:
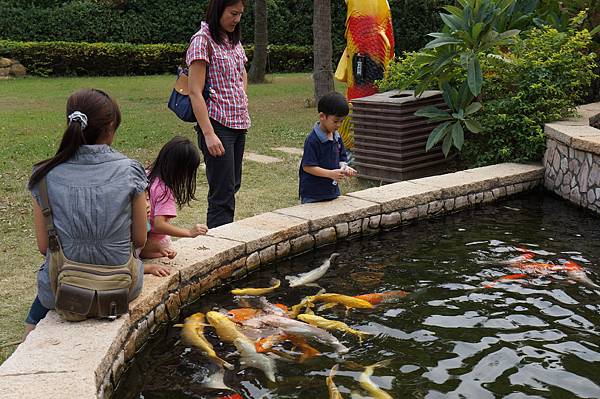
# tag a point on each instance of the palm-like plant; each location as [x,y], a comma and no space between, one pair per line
[471,30]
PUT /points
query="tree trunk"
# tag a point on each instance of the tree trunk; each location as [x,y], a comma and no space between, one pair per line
[259,59]
[322,49]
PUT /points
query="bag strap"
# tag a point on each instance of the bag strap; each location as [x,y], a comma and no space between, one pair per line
[53,242]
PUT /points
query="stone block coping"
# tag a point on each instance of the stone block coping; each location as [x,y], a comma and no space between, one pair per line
[576,132]
[86,360]
[572,158]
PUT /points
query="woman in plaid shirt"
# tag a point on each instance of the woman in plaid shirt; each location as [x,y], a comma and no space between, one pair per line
[216,56]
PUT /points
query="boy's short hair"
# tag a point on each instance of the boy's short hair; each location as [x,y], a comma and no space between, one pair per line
[333,103]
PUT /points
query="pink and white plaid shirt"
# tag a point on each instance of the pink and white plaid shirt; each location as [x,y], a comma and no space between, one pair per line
[228,103]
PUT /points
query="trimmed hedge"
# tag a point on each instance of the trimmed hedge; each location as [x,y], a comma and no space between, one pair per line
[111,59]
[174,21]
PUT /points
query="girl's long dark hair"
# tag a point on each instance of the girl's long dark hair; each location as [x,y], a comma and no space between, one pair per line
[103,115]
[213,17]
[176,165]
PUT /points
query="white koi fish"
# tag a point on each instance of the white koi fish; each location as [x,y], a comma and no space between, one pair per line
[313,275]
[251,358]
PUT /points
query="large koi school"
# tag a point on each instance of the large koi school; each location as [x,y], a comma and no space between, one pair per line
[263,332]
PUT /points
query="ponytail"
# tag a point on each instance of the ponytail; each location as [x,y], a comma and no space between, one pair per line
[90,114]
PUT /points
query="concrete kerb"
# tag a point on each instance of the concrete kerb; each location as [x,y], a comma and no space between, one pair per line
[91,354]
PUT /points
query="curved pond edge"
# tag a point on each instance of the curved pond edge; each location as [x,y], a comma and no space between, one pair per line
[87,359]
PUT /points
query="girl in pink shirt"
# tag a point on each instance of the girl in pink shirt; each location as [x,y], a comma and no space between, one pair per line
[172,178]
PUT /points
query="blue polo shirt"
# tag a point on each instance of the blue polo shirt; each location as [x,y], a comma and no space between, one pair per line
[327,154]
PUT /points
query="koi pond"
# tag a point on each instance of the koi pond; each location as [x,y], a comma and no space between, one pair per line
[501,301]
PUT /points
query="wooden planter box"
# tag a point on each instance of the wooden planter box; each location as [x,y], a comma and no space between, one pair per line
[389,140]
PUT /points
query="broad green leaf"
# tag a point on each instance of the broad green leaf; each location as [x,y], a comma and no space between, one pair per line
[474,76]
[465,96]
[472,108]
[508,33]
[452,21]
[476,31]
[436,135]
[447,144]
[446,94]
[458,135]
[464,3]
[442,41]
[595,31]
[473,125]
[431,112]
[454,11]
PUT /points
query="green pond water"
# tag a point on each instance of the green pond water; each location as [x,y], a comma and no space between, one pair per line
[537,337]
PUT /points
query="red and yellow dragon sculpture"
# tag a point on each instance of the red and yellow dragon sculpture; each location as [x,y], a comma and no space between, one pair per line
[369,50]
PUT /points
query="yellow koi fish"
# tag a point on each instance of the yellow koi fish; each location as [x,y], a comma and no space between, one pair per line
[334,392]
[193,334]
[257,291]
[326,324]
[346,300]
[229,332]
[368,385]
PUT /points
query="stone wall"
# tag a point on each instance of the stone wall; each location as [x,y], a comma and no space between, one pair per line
[86,360]
[572,158]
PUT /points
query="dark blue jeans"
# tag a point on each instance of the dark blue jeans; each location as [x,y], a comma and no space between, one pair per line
[37,312]
[224,173]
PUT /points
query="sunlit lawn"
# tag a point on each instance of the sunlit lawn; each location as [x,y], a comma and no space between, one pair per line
[32,121]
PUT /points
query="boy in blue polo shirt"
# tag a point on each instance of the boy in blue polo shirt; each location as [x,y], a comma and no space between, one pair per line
[324,161]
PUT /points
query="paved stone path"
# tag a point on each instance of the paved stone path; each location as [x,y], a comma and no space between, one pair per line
[289,150]
[251,156]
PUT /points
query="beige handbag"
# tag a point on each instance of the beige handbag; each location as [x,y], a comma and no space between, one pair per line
[83,290]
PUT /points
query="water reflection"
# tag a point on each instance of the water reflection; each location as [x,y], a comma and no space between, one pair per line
[454,336]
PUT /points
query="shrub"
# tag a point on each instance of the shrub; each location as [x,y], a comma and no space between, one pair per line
[111,59]
[540,80]
[174,21]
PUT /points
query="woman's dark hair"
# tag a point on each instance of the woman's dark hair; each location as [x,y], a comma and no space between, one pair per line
[333,103]
[176,165]
[215,10]
[103,115]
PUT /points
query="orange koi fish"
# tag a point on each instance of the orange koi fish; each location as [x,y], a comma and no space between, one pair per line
[505,278]
[242,314]
[306,351]
[383,297]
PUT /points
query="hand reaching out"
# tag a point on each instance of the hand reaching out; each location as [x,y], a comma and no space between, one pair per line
[199,229]
[157,270]
[168,253]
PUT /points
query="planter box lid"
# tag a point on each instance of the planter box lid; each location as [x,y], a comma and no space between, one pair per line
[397,97]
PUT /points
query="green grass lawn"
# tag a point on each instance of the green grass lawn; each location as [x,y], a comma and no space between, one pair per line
[32,121]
